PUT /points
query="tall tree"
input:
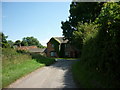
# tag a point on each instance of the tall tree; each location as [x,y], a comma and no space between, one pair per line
[18,43]
[11,43]
[80,12]
[29,41]
[3,41]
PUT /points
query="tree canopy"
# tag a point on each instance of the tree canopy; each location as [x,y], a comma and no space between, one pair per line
[26,41]
[3,39]
[30,41]
[17,42]
[80,12]
[94,29]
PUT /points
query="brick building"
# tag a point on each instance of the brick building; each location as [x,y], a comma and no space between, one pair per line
[59,47]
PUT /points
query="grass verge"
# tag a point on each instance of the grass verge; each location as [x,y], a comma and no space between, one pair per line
[15,71]
[15,65]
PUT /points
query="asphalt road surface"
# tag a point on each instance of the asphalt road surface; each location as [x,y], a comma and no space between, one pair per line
[57,75]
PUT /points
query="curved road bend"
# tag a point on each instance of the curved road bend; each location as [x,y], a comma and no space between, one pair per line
[57,75]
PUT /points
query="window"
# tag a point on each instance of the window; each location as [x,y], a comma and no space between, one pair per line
[66,53]
[67,46]
[52,53]
[52,45]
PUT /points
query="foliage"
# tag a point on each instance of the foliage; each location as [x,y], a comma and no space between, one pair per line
[80,12]
[11,43]
[67,31]
[109,21]
[42,59]
[30,41]
[3,41]
[22,51]
[62,50]
[84,32]
[16,65]
[86,78]
[13,72]
[17,42]
[27,41]
[56,45]
[98,39]
[59,50]
[84,11]
[10,56]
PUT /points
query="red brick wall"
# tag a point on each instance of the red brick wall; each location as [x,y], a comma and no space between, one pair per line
[49,49]
[70,50]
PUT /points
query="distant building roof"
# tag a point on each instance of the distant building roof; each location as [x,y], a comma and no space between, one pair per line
[32,49]
[26,47]
[37,50]
[60,39]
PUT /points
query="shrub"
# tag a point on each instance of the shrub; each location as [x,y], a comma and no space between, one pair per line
[10,56]
[42,59]
[22,51]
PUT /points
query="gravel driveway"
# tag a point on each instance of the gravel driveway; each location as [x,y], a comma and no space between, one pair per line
[57,75]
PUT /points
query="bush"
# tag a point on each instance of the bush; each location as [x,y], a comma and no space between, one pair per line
[16,65]
[10,56]
[100,50]
[42,59]
[22,51]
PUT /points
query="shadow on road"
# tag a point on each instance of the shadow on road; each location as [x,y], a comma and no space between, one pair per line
[65,65]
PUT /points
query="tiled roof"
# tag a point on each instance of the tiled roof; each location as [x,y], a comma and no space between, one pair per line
[26,47]
[37,50]
[60,39]
[31,48]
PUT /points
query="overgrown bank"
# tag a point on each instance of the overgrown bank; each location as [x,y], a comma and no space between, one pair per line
[89,78]
[16,65]
[98,39]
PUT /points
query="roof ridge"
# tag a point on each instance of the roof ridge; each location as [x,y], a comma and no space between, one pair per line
[56,40]
[59,39]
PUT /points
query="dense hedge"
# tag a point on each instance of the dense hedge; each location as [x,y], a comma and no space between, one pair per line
[100,45]
[101,49]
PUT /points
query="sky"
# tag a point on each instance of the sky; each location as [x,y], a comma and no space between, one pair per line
[41,20]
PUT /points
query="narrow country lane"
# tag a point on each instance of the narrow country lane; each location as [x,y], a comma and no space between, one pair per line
[57,75]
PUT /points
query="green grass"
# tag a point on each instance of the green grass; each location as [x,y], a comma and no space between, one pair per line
[42,59]
[15,71]
[86,78]
[15,65]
